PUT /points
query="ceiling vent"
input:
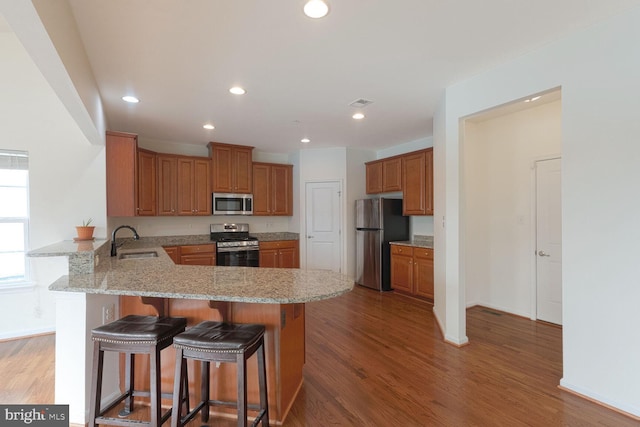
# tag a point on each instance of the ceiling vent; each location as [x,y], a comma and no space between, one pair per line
[360,103]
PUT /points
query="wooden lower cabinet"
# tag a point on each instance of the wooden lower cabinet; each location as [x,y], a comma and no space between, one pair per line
[284,346]
[412,270]
[192,254]
[280,254]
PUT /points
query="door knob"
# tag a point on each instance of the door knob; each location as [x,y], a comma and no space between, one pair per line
[542,253]
[309,237]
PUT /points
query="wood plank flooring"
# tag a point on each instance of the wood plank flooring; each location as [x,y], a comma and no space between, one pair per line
[379,360]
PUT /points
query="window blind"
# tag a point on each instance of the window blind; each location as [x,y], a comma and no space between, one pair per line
[15,160]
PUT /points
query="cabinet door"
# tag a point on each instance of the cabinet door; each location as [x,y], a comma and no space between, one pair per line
[392,175]
[288,258]
[202,187]
[402,268]
[222,165]
[261,189]
[414,184]
[173,253]
[185,187]
[147,198]
[423,272]
[374,177]
[268,257]
[167,185]
[281,190]
[242,166]
[121,173]
[429,180]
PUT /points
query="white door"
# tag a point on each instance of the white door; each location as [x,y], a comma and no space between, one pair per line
[322,234]
[548,241]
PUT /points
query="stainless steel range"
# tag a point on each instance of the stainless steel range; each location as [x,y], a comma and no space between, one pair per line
[234,245]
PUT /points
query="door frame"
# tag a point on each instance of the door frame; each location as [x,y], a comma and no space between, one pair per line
[303,222]
[534,235]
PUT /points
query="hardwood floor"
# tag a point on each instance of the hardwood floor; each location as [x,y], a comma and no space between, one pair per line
[379,360]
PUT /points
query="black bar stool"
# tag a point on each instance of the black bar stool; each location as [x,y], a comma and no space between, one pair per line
[220,342]
[132,335]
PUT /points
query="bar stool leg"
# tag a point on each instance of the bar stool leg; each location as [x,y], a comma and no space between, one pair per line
[96,383]
[178,389]
[262,381]
[129,372]
[204,390]
[241,367]
[156,414]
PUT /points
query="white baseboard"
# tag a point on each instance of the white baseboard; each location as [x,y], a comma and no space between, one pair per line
[26,333]
[629,410]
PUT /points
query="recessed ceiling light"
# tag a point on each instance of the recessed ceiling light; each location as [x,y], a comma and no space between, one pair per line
[131,99]
[209,126]
[316,9]
[358,116]
[237,90]
[305,140]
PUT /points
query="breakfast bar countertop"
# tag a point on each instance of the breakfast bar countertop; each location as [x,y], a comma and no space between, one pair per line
[160,277]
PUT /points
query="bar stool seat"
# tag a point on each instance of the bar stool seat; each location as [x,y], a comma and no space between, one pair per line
[211,341]
[132,335]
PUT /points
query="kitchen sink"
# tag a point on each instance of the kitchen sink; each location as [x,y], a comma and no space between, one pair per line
[138,255]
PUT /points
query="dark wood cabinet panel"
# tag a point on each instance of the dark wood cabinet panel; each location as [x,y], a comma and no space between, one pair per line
[146,194]
[402,268]
[374,181]
[272,189]
[121,173]
[280,254]
[392,174]
[173,252]
[232,168]
[167,184]
[412,271]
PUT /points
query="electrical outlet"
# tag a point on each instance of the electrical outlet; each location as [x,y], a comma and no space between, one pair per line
[96,260]
[108,313]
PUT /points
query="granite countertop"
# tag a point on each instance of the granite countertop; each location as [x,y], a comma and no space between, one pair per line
[417,242]
[160,277]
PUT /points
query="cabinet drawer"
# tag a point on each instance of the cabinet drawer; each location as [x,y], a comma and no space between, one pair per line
[401,250]
[197,249]
[278,244]
[426,253]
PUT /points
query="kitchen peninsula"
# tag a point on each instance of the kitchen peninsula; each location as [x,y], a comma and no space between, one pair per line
[274,297]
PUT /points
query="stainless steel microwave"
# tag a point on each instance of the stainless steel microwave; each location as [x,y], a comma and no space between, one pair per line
[232,204]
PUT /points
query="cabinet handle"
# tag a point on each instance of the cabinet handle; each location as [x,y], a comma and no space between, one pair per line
[309,237]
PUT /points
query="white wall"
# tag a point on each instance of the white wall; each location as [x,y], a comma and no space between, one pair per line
[598,72]
[498,157]
[66,180]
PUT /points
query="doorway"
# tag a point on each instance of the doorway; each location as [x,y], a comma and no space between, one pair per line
[323,227]
[548,252]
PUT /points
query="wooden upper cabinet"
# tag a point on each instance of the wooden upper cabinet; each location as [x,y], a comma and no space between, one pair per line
[122,175]
[184,185]
[232,168]
[167,184]
[374,177]
[417,183]
[202,186]
[120,153]
[272,189]
[392,174]
[146,177]
[384,176]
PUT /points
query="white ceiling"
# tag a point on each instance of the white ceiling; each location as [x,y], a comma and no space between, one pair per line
[181,57]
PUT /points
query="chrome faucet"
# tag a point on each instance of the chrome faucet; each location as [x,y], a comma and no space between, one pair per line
[113,238]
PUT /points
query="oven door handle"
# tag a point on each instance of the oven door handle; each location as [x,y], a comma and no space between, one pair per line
[238,249]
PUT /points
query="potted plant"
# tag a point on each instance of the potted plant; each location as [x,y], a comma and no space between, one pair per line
[85,231]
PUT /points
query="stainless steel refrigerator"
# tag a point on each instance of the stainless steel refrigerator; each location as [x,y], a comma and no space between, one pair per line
[378,222]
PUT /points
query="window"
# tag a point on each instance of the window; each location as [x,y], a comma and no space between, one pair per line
[14,217]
